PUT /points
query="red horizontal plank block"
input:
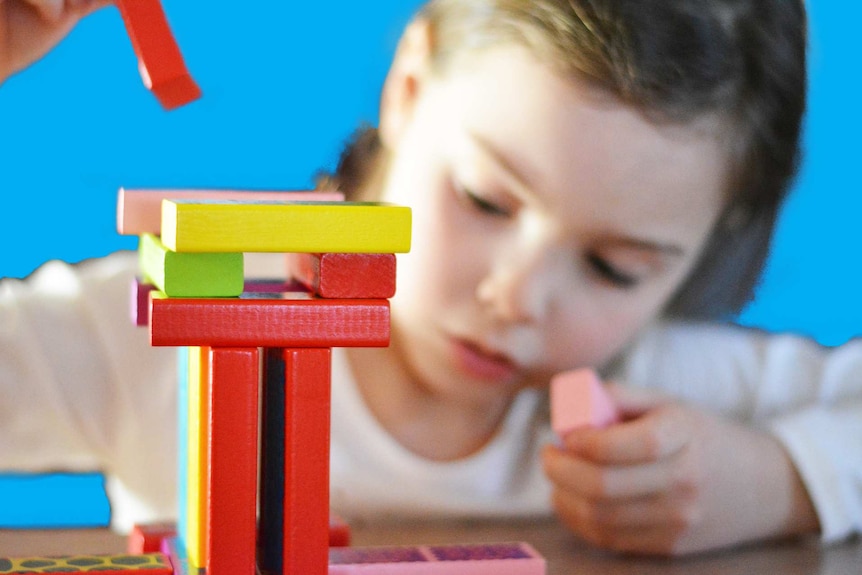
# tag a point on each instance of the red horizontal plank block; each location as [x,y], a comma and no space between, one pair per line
[269,322]
[159,59]
[345,275]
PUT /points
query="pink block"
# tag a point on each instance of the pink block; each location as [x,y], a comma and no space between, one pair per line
[480,559]
[579,399]
[140,211]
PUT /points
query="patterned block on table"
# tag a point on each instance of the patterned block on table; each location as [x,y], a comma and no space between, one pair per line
[149,563]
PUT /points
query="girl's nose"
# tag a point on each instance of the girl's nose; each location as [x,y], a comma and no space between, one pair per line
[519,288]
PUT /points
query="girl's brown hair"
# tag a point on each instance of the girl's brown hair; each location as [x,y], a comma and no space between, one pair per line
[675,60]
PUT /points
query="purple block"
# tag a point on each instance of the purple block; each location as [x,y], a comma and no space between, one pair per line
[481,559]
[140,302]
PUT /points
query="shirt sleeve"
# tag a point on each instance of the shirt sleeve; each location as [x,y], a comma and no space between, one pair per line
[80,387]
[808,396]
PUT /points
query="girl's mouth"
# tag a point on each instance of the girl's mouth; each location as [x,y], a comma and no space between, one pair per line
[483,364]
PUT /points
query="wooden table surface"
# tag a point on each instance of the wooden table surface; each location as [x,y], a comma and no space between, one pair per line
[565,556]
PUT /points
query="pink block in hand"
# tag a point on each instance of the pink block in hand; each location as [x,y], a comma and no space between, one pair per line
[578,399]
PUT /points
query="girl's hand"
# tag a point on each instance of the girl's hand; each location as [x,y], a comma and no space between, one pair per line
[30,28]
[671,480]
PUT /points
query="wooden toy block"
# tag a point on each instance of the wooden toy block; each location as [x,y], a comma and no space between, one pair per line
[149,563]
[197,464]
[159,59]
[140,295]
[339,531]
[147,538]
[294,521]
[176,553]
[345,275]
[232,453]
[343,227]
[578,399]
[257,287]
[183,407]
[140,211]
[190,275]
[268,322]
[152,537]
[484,559]
[140,302]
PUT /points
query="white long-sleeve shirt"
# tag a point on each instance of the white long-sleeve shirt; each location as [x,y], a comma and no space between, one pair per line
[81,389]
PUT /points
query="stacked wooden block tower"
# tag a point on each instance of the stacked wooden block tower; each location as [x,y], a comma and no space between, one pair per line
[239,338]
[238,342]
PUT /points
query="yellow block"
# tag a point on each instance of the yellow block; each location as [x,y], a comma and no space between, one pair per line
[196,511]
[313,227]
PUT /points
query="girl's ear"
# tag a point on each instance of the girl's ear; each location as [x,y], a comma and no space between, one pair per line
[404,81]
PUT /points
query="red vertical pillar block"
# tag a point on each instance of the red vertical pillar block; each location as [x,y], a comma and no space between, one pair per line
[232,452]
[294,535]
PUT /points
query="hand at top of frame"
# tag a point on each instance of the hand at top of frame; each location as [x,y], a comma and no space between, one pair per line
[29,29]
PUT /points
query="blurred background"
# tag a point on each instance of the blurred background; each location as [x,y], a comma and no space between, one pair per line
[284,84]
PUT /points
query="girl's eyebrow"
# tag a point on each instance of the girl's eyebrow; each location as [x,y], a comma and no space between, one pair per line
[664,248]
[517,170]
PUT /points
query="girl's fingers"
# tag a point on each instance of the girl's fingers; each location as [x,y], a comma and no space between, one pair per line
[653,436]
[660,511]
[598,482]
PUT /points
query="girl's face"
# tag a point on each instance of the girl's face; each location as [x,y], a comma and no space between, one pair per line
[550,222]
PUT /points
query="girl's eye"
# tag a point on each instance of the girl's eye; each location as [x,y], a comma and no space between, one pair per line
[482,204]
[612,274]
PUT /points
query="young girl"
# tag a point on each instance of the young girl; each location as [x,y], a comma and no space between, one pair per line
[594,183]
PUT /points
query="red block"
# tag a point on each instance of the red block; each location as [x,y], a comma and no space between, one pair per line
[339,532]
[148,538]
[159,58]
[345,275]
[295,521]
[232,452]
[269,322]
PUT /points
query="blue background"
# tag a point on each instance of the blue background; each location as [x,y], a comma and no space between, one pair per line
[284,84]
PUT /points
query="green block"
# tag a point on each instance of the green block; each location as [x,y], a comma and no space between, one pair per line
[190,274]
